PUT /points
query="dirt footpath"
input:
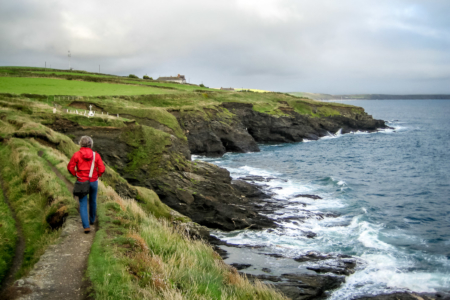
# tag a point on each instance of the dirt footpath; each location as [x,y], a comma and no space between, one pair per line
[60,272]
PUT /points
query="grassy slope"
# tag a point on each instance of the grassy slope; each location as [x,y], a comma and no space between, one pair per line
[134,255]
[8,236]
[50,86]
[35,193]
[158,94]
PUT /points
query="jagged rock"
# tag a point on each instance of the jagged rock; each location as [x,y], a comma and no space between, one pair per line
[247,189]
[316,256]
[315,197]
[216,133]
[215,203]
[302,286]
[295,127]
[241,266]
[407,296]
[339,264]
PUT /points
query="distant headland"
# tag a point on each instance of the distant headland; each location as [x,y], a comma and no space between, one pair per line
[317,96]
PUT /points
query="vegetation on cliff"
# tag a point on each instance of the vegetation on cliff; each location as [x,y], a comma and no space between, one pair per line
[8,236]
[135,254]
[145,131]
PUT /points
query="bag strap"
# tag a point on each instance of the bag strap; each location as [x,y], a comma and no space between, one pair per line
[92,166]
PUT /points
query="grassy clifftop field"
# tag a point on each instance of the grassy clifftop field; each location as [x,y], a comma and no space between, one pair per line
[148,93]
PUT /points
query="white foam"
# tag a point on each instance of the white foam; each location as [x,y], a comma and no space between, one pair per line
[369,237]
[388,268]
[361,132]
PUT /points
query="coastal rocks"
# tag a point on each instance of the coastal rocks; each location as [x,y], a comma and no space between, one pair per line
[236,127]
[214,132]
[207,196]
[407,296]
[298,286]
[160,161]
[293,277]
[338,264]
[247,189]
[314,197]
[241,266]
[295,127]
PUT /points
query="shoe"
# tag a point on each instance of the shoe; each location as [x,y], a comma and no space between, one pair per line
[92,223]
[87,230]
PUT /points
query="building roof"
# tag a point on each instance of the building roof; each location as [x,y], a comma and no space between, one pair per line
[179,77]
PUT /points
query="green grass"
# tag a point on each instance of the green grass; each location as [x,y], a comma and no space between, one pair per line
[148,147]
[36,194]
[68,73]
[178,86]
[8,236]
[136,256]
[51,86]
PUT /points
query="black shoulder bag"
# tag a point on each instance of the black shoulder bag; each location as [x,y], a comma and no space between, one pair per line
[81,189]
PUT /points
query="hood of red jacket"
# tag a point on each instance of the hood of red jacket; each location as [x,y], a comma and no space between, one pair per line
[86,153]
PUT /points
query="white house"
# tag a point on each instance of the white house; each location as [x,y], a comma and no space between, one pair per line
[178,79]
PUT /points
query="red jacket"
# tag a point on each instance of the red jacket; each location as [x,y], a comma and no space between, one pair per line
[82,160]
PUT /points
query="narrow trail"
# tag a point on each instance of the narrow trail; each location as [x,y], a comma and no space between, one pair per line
[60,272]
[20,246]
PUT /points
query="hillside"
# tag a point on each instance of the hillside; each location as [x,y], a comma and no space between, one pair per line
[145,131]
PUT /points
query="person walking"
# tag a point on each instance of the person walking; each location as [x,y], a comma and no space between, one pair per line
[89,167]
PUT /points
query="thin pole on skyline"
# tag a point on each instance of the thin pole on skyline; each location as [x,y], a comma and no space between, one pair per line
[69,55]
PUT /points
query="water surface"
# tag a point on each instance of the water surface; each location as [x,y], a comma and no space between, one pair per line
[389,190]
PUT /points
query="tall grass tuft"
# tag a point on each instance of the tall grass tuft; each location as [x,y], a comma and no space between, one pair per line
[152,259]
[35,193]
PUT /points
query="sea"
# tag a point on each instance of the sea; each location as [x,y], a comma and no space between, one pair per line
[385,198]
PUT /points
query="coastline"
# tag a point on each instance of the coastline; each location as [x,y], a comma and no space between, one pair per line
[313,275]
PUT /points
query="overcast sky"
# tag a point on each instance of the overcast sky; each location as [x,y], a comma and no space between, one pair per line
[322,46]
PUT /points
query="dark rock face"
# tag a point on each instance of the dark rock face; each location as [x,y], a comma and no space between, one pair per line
[241,266]
[247,189]
[206,195]
[314,197]
[216,134]
[266,128]
[201,191]
[407,296]
[302,286]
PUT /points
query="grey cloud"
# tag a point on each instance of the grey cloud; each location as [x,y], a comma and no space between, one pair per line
[286,45]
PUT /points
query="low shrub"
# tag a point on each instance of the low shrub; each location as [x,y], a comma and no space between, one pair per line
[132,76]
[146,77]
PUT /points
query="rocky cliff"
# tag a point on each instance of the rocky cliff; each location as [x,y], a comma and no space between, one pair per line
[214,132]
[153,148]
